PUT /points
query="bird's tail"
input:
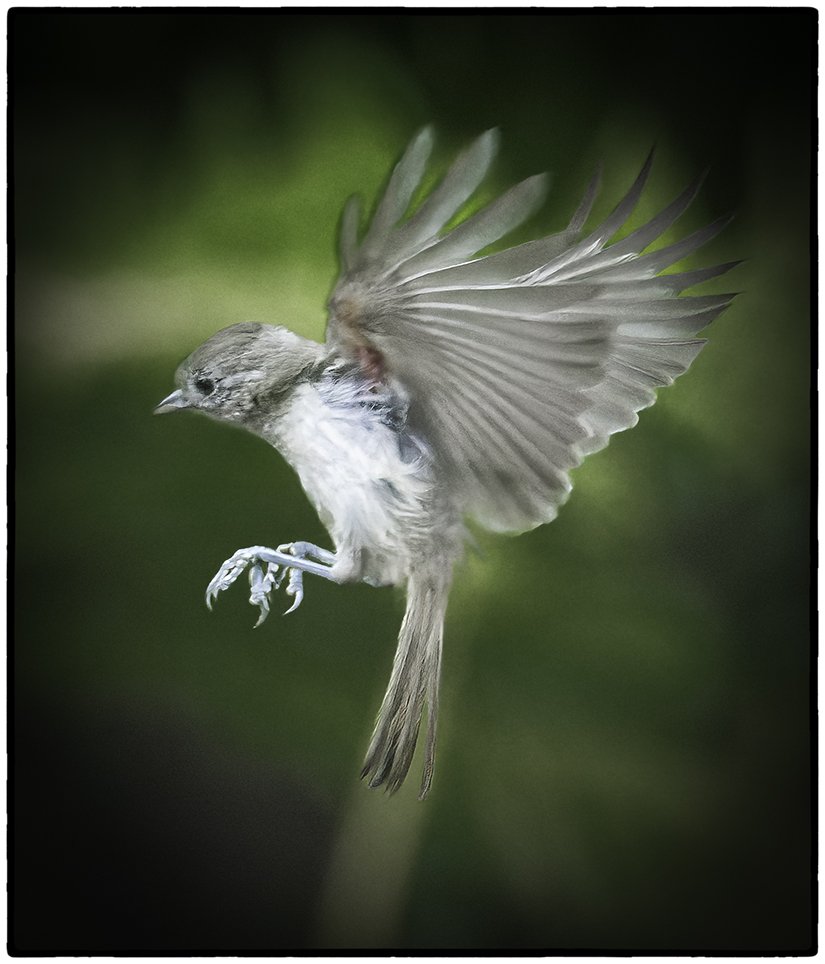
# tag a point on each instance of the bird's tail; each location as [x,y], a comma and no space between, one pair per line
[414,680]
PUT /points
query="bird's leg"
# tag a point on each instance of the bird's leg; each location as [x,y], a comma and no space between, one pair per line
[306,550]
[267,569]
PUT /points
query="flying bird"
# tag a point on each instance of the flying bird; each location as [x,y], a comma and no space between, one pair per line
[451,386]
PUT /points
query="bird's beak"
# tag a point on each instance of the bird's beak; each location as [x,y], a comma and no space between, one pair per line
[172,403]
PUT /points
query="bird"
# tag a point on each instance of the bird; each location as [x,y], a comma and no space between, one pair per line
[454,386]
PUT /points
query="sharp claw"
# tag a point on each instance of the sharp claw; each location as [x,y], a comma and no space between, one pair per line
[262,617]
[295,588]
[299,597]
[211,595]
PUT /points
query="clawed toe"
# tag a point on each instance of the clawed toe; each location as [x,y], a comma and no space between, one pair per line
[295,587]
[267,570]
[226,575]
[261,584]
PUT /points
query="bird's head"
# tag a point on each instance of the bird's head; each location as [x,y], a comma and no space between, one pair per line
[240,372]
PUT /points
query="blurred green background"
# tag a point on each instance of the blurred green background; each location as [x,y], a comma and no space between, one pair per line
[625,732]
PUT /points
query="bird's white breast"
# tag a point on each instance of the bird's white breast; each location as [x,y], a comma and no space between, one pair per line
[371,497]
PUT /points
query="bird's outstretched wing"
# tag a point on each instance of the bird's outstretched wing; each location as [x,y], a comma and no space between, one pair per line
[518,363]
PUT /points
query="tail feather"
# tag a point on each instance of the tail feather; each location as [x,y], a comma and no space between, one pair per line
[414,681]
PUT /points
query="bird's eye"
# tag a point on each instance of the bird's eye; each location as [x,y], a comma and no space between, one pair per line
[205,385]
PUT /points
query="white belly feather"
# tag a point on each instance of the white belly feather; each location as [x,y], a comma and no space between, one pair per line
[373,500]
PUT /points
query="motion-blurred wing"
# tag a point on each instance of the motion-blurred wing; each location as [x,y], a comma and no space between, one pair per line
[519,363]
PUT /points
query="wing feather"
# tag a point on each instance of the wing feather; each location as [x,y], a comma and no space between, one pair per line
[488,225]
[518,363]
[459,184]
[403,182]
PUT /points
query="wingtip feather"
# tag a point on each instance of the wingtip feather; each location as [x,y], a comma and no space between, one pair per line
[582,212]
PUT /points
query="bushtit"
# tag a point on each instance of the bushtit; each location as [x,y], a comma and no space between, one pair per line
[450,386]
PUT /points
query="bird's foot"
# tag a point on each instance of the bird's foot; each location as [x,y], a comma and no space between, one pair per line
[267,570]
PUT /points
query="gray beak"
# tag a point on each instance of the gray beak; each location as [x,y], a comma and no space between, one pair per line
[172,403]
